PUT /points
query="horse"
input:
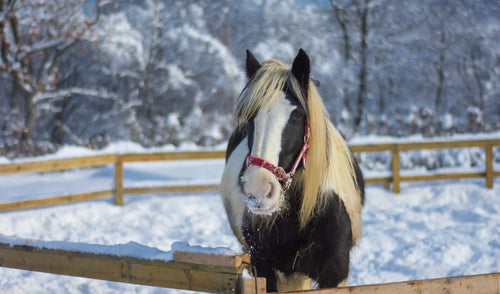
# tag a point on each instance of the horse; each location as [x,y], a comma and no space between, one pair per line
[291,188]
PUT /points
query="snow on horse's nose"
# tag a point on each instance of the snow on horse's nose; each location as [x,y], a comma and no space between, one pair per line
[261,190]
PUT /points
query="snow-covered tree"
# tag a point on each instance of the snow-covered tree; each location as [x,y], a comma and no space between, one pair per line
[34,36]
[162,71]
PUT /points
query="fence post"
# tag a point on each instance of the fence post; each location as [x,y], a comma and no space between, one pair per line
[252,285]
[489,166]
[395,170]
[119,181]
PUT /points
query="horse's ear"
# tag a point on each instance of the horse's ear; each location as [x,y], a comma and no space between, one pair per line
[253,65]
[301,69]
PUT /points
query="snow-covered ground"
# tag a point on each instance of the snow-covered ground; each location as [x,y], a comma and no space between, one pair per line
[430,230]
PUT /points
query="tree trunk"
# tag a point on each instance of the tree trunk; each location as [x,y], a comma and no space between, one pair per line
[26,140]
[363,71]
[440,86]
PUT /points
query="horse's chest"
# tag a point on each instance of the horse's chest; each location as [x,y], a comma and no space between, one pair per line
[282,243]
[288,246]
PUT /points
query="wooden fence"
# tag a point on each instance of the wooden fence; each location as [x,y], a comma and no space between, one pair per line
[395,148]
[120,189]
[208,273]
[187,271]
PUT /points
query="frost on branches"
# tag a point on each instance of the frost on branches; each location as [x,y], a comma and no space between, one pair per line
[164,72]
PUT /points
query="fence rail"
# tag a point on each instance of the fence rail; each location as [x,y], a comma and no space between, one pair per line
[187,271]
[120,189]
[207,272]
[475,284]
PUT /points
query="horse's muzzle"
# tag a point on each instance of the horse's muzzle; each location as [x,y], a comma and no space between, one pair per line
[261,190]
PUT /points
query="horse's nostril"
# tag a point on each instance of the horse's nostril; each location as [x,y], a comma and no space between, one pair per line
[251,196]
[269,196]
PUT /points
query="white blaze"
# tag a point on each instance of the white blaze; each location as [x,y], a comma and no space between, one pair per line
[262,188]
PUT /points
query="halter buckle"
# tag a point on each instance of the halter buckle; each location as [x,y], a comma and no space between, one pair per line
[281,174]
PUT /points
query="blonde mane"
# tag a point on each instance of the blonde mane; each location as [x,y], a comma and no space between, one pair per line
[329,165]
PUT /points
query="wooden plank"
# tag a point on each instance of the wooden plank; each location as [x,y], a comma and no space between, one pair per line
[395,171]
[375,180]
[166,156]
[446,176]
[121,269]
[58,164]
[447,144]
[171,189]
[119,182]
[489,166]
[477,284]
[235,261]
[170,275]
[252,286]
[8,206]
[360,148]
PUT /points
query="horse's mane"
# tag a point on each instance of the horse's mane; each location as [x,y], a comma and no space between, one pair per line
[330,164]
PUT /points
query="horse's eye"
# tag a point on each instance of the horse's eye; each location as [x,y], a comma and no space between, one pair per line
[297,115]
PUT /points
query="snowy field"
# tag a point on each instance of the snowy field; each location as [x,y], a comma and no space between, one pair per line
[430,230]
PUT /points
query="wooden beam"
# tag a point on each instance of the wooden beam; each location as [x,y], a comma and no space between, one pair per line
[119,191]
[375,180]
[165,156]
[489,166]
[252,286]
[395,171]
[407,146]
[448,144]
[477,284]
[8,206]
[437,177]
[360,148]
[171,189]
[235,261]
[127,269]
[58,164]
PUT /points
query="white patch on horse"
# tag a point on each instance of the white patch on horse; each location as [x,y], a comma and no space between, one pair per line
[269,125]
[230,191]
[293,282]
[262,188]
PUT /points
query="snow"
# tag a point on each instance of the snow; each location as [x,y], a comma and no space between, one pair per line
[130,249]
[430,230]
[122,41]
[375,139]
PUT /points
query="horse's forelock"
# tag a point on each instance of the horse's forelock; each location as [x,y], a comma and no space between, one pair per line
[265,86]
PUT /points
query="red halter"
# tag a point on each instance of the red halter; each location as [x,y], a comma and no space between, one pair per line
[278,171]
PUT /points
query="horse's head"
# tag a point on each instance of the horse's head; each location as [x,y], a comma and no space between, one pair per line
[273,110]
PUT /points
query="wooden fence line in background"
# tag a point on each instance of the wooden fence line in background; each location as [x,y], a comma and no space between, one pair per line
[396,148]
[55,200]
[57,164]
[120,190]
